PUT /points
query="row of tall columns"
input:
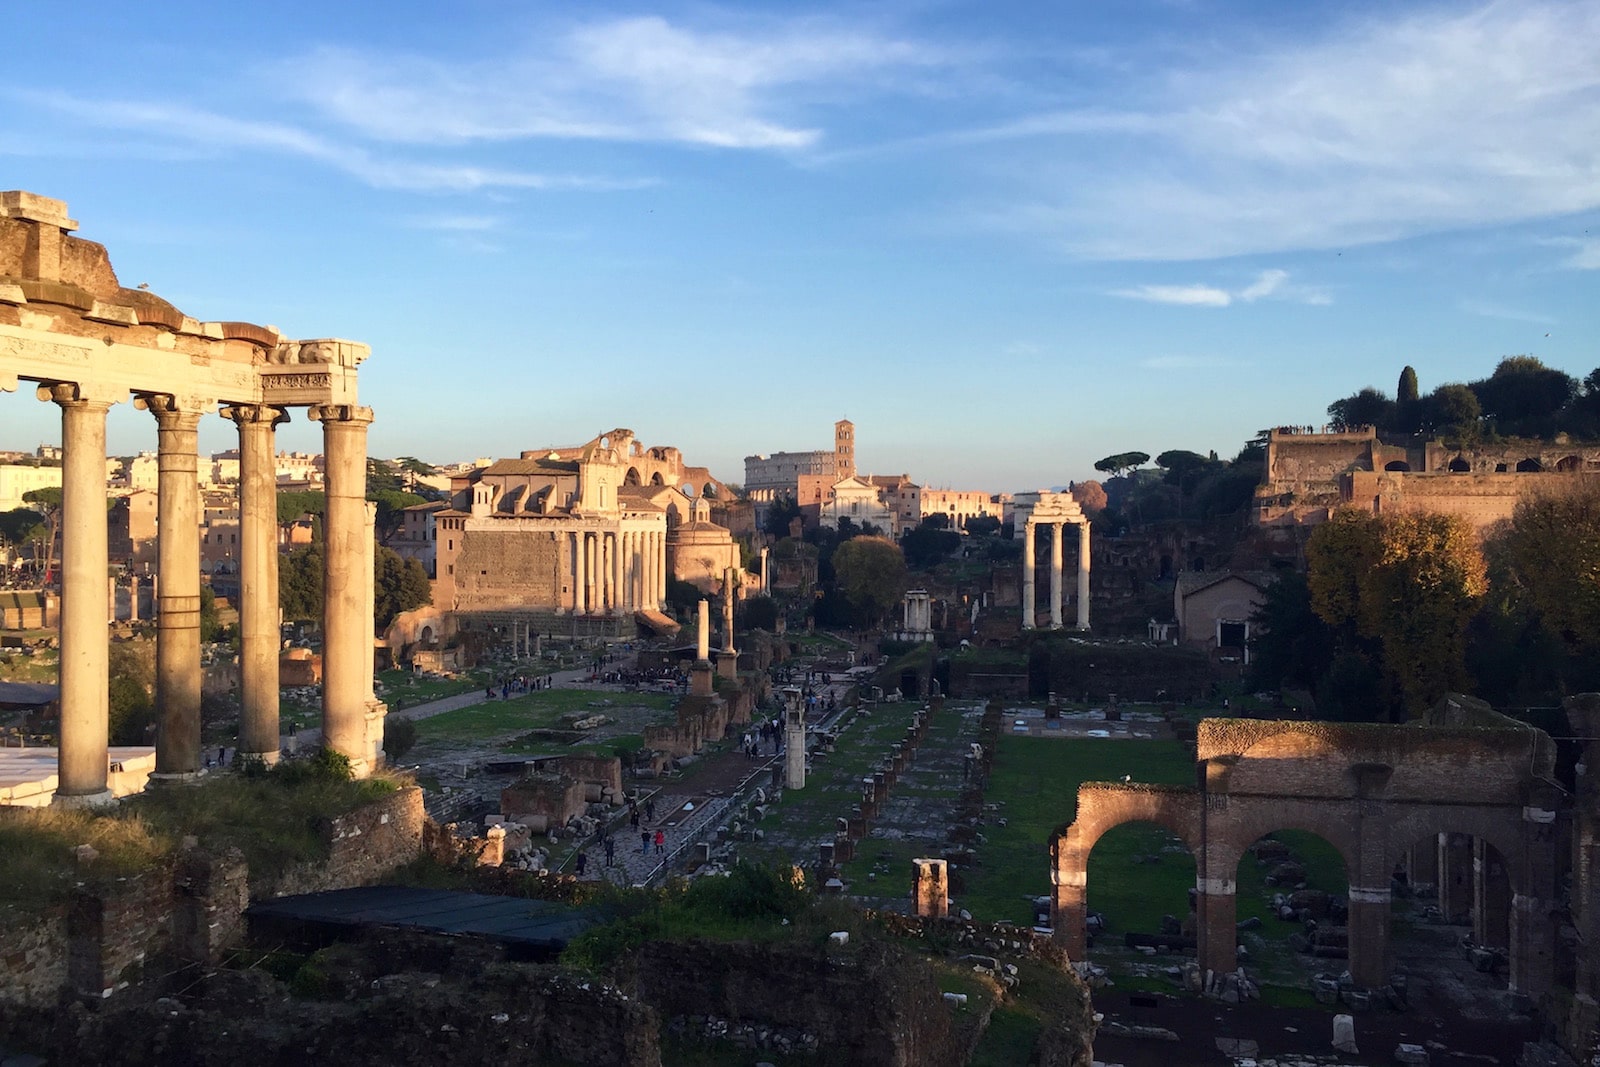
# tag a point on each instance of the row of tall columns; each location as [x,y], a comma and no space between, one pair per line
[351,713]
[1029,607]
[618,571]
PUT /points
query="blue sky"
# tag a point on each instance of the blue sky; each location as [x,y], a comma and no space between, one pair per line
[1004,239]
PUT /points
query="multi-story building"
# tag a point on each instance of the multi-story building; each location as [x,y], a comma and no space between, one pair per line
[17,479]
[770,477]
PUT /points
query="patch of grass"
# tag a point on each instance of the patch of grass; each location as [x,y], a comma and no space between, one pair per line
[39,846]
[541,709]
[1009,1040]
[1278,996]
[1035,781]
[276,819]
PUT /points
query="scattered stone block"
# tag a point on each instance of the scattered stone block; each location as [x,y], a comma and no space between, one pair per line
[1411,1054]
[1344,1034]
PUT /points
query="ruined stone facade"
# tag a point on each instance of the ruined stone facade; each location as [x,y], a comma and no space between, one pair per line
[1384,796]
[1310,474]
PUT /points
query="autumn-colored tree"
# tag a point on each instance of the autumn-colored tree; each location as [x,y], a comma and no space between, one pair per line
[1091,497]
[1410,581]
[871,574]
[1547,562]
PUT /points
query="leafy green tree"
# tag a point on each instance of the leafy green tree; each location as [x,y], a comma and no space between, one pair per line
[1121,463]
[780,513]
[381,477]
[757,613]
[392,504]
[401,584]
[1290,644]
[1406,392]
[983,525]
[1523,396]
[871,574]
[295,505]
[399,736]
[20,525]
[1090,495]
[132,682]
[927,545]
[416,466]
[1178,463]
[210,627]
[47,500]
[300,583]
[1369,407]
[1450,411]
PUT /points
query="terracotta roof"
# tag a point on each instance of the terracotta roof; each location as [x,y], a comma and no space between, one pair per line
[531,466]
[1190,582]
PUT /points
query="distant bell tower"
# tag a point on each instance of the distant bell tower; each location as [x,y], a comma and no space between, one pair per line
[844,448]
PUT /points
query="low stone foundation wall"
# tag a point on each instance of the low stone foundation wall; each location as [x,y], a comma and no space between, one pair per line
[189,909]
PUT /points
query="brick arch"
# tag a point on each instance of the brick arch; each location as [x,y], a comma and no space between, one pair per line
[1251,822]
[1503,830]
[1103,806]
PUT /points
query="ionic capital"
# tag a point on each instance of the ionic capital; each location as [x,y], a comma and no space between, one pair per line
[173,412]
[339,413]
[77,394]
[247,414]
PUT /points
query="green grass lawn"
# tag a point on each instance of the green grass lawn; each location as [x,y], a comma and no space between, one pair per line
[1035,780]
[540,709]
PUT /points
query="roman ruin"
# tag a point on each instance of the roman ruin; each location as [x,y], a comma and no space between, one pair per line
[1387,798]
[1054,510]
[86,342]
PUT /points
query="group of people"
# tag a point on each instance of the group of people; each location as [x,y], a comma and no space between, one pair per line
[638,816]
[520,683]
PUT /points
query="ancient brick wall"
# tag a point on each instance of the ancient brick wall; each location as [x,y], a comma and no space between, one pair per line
[365,845]
[33,961]
[508,568]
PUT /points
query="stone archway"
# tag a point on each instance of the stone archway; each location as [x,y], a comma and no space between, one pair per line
[1370,791]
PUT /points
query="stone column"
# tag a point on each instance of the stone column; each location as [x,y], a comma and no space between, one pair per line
[661,569]
[83,765]
[580,603]
[1491,897]
[1083,575]
[1535,904]
[1369,935]
[930,889]
[591,574]
[346,626]
[259,636]
[766,579]
[1055,575]
[794,746]
[618,596]
[178,587]
[1455,877]
[1028,611]
[703,632]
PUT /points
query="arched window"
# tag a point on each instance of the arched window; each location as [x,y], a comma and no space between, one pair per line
[1397,465]
[1530,466]
[1459,465]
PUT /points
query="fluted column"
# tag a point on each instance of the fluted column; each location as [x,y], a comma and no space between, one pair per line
[614,540]
[1055,575]
[661,569]
[259,636]
[591,573]
[82,763]
[1027,575]
[347,636]
[1083,575]
[178,587]
[580,603]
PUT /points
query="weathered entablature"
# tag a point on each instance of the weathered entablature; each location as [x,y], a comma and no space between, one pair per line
[69,326]
[1378,794]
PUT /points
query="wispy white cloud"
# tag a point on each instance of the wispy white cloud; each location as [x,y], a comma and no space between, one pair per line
[213,132]
[455,223]
[1273,284]
[1584,254]
[631,79]
[1383,128]
[1186,295]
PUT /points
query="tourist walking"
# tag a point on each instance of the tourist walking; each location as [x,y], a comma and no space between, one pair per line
[661,841]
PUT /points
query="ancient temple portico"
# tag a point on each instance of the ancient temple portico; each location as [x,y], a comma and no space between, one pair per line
[1055,510]
[68,325]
